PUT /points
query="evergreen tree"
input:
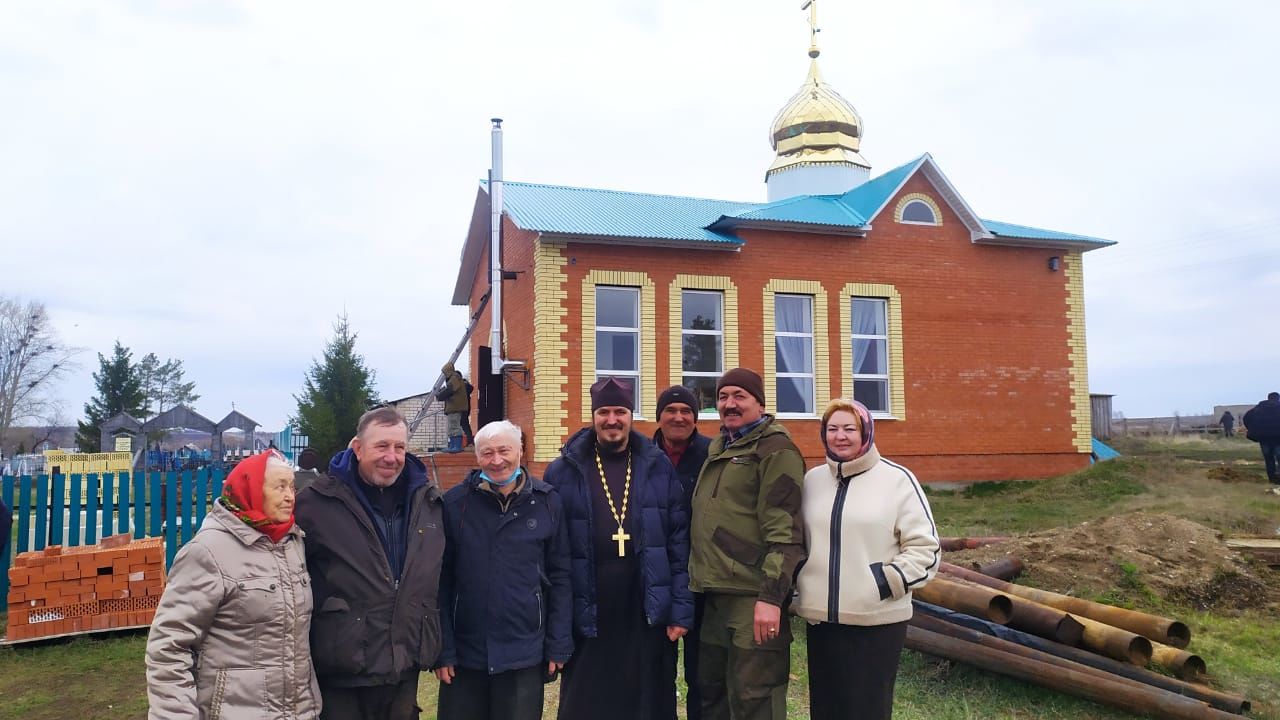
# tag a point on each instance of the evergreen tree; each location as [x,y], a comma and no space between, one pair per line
[119,390]
[163,386]
[336,391]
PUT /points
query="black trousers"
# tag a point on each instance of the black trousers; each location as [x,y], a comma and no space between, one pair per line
[477,695]
[852,670]
[376,702]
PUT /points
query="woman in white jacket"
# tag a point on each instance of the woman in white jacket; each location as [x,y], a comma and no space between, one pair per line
[871,540]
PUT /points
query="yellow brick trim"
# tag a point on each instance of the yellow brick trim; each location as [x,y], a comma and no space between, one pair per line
[897,375]
[675,348]
[1081,422]
[911,197]
[550,351]
[648,326]
[821,340]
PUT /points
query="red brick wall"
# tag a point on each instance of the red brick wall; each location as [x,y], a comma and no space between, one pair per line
[984,335]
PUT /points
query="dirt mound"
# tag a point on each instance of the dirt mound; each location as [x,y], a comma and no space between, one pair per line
[1137,556]
[1235,474]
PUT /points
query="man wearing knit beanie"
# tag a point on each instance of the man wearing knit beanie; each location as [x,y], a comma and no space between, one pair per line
[686,448]
[746,543]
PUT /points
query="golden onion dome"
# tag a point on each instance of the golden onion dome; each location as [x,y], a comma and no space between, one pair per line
[817,126]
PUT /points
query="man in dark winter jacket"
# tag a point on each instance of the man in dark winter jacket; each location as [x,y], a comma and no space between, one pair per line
[506,601]
[374,543]
[628,540]
[1262,425]
[678,437]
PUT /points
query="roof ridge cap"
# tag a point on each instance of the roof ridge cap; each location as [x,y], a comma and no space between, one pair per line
[624,192]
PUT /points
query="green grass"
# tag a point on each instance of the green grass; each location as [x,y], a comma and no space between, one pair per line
[102,677]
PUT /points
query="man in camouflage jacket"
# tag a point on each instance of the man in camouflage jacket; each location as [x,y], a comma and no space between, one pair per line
[746,543]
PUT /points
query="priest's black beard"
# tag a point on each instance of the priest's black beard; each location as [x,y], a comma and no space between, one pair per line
[613,448]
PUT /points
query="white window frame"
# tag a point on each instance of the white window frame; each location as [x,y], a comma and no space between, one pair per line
[854,337]
[927,206]
[719,294]
[634,375]
[812,375]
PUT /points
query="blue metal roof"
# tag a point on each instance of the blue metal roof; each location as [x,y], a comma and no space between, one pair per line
[1026,232]
[822,210]
[565,210]
[867,199]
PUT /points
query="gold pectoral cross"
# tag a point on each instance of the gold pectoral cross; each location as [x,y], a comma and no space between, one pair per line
[622,537]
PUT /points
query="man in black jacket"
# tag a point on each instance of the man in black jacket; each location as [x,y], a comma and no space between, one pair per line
[677,436]
[375,542]
[1262,425]
[506,599]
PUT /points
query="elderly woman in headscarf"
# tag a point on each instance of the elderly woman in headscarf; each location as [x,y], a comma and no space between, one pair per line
[871,541]
[230,638]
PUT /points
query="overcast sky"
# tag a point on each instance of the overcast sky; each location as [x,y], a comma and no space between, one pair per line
[217,181]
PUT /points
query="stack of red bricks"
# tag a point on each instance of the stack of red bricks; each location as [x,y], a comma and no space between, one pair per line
[58,591]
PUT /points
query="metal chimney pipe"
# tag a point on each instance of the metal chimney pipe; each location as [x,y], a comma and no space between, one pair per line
[495,250]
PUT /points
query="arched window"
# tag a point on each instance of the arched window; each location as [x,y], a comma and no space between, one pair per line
[918,211]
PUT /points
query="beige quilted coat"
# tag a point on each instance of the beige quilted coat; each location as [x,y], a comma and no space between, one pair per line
[230,638]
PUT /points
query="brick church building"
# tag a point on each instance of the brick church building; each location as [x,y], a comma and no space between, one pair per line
[965,336]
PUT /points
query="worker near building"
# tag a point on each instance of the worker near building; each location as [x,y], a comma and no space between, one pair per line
[506,604]
[747,540]
[871,541]
[629,545]
[375,542]
[1262,425]
[677,436]
[456,395]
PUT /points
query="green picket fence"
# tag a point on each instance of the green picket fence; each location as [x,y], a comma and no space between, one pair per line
[74,510]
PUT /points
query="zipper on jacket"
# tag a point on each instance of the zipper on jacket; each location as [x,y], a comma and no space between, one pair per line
[833,570]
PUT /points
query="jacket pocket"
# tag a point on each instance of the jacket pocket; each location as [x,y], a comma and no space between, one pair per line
[338,638]
[429,644]
[735,548]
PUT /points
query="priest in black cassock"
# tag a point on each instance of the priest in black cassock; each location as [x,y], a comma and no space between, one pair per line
[629,544]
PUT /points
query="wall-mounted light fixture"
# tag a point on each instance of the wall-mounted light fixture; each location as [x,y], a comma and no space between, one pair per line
[1054,263]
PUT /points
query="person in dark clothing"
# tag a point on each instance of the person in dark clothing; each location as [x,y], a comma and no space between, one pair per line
[628,542]
[308,469]
[506,603]
[1262,425]
[677,436]
[374,547]
[1228,422]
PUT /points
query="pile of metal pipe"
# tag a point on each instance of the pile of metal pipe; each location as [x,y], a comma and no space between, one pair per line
[1218,699]
[1152,627]
[1109,644]
[1043,669]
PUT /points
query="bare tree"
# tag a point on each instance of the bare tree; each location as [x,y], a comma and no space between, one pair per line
[32,360]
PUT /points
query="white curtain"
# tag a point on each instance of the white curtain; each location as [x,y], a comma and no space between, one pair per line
[792,314]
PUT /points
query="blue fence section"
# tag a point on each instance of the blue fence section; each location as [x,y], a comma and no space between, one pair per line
[82,509]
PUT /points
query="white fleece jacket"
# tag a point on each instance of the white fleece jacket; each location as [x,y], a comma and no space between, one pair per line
[871,540]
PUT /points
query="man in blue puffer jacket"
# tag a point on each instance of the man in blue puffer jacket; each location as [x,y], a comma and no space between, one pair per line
[629,543]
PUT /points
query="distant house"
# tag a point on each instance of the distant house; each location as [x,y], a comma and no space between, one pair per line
[964,335]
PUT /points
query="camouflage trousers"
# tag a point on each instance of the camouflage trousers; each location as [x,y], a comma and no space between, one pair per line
[739,679]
